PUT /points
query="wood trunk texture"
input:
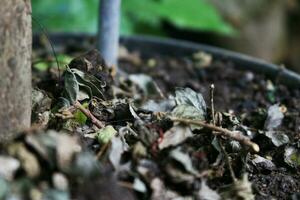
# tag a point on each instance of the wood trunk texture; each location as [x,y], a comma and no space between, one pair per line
[15,67]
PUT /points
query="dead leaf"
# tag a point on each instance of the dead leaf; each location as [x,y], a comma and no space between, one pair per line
[176,135]
[274,118]
[205,193]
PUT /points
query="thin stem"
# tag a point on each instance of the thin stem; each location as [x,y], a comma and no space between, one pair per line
[220,131]
[212,87]
[227,158]
[87,113]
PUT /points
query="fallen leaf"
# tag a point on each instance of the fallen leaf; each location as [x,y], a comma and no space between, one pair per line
[145,83]
[202,59]
[161,106]
[184,159]
[71,86]
[105,134]
[292,156]
[205,193]
[116,150]
[139,185]
[277,138]
[187,96]
[176,135]
[262,163]
[274,118]
[190,105]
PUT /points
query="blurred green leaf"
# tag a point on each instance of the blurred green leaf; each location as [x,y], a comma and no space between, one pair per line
[66,15]
[193,14]
[137,16]
[105,134]
[80,116]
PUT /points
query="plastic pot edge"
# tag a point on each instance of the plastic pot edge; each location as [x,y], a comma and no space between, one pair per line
[174,47]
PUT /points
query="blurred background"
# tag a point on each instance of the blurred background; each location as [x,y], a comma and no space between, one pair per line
[267,29]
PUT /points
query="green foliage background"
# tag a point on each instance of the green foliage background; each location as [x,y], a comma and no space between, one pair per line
[138,16]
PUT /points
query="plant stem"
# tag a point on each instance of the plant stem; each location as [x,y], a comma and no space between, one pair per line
[108,32]
[220,131]
[88,113]
[212,87]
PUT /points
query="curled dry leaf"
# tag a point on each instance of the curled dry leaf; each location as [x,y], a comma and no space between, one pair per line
[262,163]
[139,185]
[277,138]
[189,105]
[205,193]
[274,118]
[116,150]
[145,83]
[176,135]
[183,159]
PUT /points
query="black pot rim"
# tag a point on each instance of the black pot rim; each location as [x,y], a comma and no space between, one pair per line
[175,47]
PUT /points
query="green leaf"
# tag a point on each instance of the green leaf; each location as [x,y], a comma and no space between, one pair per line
[292,157]
[67,15]
[41,66]
[80,117]
[189,14]
[105,134]
[137,16]
[193,14]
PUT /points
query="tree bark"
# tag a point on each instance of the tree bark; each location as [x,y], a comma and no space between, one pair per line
[15,67]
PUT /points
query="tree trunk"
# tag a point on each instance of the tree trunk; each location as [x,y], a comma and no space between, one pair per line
[108,33]
[15,67]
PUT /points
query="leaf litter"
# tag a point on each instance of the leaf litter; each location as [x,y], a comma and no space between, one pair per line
[147,136]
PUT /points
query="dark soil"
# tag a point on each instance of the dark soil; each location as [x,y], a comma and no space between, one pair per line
[244,93]
[242,102]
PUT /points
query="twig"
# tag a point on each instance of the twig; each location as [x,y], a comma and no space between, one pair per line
[220,131]
[227,159]
[212,87]
[102,150]
[87,113]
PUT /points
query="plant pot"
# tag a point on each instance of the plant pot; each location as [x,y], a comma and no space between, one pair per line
[153,45]
[240,97]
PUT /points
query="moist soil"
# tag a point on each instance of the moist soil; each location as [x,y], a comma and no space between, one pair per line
[242,100]
[244,93]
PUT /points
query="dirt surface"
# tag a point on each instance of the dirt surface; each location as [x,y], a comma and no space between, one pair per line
[137,136]
[245,94]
